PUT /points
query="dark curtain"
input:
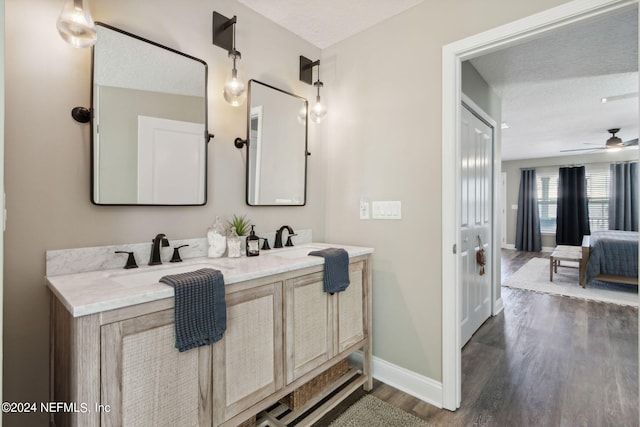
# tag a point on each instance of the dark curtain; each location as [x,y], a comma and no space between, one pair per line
[623,197]
[572,221]
[528,227]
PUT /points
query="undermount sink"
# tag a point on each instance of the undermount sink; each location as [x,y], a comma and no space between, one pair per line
[153,275]
[296,252]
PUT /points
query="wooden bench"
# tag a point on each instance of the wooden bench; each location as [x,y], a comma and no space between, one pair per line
[565,253]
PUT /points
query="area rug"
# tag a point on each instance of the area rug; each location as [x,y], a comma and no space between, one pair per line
[373,412]
[534,276]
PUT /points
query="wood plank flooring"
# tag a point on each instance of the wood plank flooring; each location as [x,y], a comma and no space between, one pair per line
[544,361]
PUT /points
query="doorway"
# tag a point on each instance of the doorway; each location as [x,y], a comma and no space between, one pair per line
[453,55]
[476,206]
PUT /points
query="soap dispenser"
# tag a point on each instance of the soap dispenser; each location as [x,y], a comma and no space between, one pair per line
[253,244]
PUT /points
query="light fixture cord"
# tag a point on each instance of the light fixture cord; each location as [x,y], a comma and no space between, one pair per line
[318,82]
[233,53]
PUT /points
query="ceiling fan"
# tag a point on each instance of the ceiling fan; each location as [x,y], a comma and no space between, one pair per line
[612,143]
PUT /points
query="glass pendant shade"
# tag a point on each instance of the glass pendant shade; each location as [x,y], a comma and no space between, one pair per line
[318,111]
[302,115]
[75,24]
[234,90]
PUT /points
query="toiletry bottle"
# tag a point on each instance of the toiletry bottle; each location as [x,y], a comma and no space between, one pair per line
[233,244]
[253,244]
[217,239]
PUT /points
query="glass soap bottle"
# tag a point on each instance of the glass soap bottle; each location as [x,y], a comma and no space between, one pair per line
[217,240]
[253,244]
[233,244]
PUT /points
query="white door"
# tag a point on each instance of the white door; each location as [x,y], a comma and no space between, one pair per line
[475,227]
[171,162]
[255,154]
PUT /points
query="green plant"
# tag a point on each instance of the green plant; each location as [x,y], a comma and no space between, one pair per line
[241,223]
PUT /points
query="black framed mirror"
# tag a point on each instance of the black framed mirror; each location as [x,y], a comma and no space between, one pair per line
[149,123]
[276,147]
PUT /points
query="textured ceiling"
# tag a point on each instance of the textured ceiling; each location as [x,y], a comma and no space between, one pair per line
[551,87]
[325,22]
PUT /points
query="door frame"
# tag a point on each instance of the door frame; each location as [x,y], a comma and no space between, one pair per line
[452,56]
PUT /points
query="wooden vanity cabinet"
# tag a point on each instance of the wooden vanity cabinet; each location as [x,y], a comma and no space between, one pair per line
[282,330]
[318,325]
[248,360]
[146,381]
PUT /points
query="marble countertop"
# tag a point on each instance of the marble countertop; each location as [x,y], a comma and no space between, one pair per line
[97,291]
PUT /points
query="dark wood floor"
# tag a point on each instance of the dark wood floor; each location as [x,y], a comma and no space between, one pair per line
[544,361]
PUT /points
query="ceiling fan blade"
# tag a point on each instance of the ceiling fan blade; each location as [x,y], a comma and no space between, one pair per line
[618,97]
[584,149]
[630,142]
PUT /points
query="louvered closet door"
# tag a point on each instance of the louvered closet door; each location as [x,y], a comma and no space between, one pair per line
[475,227]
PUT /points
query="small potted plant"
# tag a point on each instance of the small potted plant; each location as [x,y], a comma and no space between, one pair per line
[241,224]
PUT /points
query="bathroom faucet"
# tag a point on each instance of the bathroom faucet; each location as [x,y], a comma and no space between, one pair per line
[278,242]
[155,248]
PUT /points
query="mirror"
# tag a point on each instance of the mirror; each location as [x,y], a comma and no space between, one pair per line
[276,147]
[149,123]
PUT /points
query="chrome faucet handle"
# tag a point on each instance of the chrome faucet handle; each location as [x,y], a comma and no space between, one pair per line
[131,259]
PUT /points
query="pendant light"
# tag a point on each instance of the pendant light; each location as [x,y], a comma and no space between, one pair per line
[224,36]
[75,24]
[318,112]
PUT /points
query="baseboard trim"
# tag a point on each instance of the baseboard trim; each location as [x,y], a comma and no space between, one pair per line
[498,306]
[419,386]
[513,247]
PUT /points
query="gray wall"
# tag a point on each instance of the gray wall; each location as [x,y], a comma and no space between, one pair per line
[476,88]
[383,89]
[513,168]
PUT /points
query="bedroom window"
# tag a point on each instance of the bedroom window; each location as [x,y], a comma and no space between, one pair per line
[597,194]
[547,189]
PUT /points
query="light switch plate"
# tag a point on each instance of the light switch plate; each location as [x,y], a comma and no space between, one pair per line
[386,210]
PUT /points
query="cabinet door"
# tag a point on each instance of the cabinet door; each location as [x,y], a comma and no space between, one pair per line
[350,309]
[146,381]
[247,362]
[308,325]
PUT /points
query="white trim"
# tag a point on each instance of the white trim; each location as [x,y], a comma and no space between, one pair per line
[498,307]
[452,56]
[419,386]
[509,246]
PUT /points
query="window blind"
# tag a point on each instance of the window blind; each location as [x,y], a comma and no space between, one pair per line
[597,194]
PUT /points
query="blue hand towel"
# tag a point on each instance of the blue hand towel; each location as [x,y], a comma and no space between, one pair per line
[200,307]
[336,269]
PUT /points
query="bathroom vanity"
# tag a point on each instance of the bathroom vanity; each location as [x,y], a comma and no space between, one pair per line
[113,353]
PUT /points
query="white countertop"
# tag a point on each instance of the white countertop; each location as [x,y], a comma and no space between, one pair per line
[93,292]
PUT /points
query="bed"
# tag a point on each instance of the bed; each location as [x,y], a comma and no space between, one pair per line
[610,256]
